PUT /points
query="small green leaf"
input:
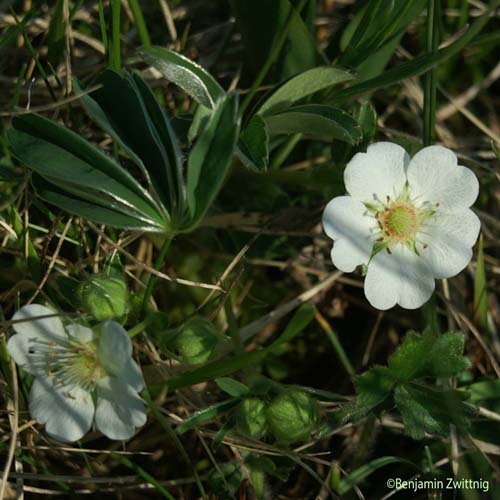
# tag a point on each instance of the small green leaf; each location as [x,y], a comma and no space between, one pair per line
[374,386]
[254,144]
[232,387]
[411,356]
[316,119]
[210,159]
[186,74]
[206,414]
[302,86]
[446,357]
[428,410]
[302,317]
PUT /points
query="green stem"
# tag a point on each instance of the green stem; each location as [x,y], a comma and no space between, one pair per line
[140,23]
[432,41]
[115,53]
[273,54]
[332,337]
[284,152]
[152,277]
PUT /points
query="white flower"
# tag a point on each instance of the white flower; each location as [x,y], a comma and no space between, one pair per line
[79,374]
[408,220]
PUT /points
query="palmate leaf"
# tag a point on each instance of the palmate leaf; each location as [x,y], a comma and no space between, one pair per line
[70,164]
[127,110]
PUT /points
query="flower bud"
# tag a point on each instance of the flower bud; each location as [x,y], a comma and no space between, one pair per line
[196,341]
[251,418]
[104,297]
[292,416]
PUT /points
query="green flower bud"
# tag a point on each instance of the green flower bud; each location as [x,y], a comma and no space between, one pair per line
[292,416]
[104,297]
[196,341]
[251,418]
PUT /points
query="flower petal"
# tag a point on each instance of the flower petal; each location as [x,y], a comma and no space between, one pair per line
[348,222]
[435,176]
[115,347]
[399,278]
[45,330]
[449,239]
[378,173]
[67,412]
[119,409]
[132,375]
[80,333]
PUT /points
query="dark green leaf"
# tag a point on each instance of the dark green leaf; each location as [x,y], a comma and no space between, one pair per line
[188,75]
[302,317]
[316,119]
[411,356]
[210,159]
[127,110]
[254,144]
[82,208]
[446,359]
[428,410]
[65,159]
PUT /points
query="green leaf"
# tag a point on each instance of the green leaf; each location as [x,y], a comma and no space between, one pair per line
[428,410]
[98,213]
[446,358]
[206,414]
[481,391]
[427,354]
[65,159]
[302,317]
[210,159]
[377,24]
[411,356]
[361,473]
[232,387]
[186,74]
[316,119]
[302,86]
[480,294]
[373,388]
[147,138]
[366,116]
[254,144]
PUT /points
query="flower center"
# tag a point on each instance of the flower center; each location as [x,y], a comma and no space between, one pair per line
[69,362]
[400,222]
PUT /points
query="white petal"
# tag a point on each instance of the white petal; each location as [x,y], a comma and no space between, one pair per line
[400,278]
[66,412]
[378,173]
[348,222]
[132,375]
[449,239]
[46,330]
[115,347]
[80,333]
[119,409]
[435,176]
